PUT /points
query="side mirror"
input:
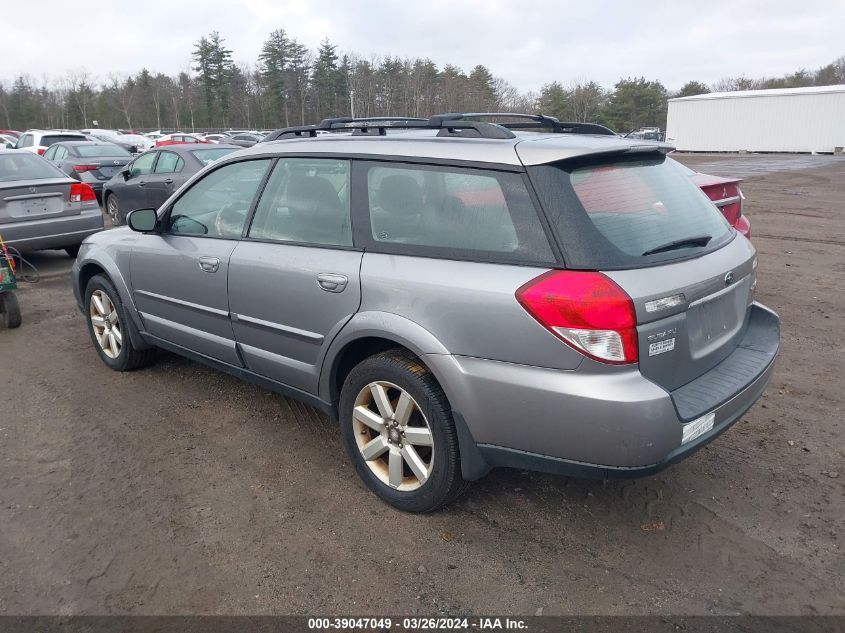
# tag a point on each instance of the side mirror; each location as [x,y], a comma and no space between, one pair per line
[142,220]
[125,173]
[10,146]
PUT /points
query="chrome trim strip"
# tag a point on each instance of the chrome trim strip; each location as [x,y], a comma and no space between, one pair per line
[726,201]
[183,304]
[718,294]
[270,325]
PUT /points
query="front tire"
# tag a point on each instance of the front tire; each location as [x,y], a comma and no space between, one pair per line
[113,209]
[109,327]
[398,431]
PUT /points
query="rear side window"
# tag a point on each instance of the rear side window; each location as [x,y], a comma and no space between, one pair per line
[628,213]
[168,163]
[306,200]
[454,212]
[26,166]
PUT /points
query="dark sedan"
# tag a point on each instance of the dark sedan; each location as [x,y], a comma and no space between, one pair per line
[91,162]
[245,139]
[153,176]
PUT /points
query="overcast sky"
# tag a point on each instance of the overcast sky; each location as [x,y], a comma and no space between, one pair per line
[526,43]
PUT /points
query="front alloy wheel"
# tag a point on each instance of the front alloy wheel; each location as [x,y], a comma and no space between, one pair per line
[106,324]
[393,436]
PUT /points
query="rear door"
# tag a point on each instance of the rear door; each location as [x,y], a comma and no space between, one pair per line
[179,277]
[165,178]
[132,193]
[294,281]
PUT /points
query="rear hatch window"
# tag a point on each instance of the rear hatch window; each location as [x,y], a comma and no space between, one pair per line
[48,139]
[98,151]
[208,156]
[628,213]
[26,166]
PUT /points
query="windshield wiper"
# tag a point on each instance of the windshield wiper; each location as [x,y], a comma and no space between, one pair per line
[698,240]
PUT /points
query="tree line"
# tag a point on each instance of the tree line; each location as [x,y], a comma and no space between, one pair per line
[289,84]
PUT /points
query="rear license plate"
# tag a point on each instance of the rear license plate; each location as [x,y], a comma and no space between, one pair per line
[35,206]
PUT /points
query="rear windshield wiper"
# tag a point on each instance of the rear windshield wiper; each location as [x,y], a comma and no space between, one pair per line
[698,240]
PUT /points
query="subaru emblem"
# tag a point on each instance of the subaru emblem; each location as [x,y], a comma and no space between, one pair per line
[729,279]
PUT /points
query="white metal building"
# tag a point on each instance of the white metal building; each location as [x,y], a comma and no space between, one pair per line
[781,120]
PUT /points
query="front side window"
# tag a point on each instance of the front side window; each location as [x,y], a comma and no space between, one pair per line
[217,204]
[452,211]
[306,200]
[168,163]
[142,165]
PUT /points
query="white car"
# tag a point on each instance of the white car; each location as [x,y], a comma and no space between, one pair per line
[216,138]
[37,141]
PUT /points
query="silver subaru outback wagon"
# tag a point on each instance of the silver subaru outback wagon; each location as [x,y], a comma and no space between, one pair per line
[460,294]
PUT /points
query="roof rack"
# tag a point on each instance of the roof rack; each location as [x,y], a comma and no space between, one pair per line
[461,124]
[529,122]
[377,126]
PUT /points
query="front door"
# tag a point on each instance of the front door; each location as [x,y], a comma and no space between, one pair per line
[179,277]
[293,282]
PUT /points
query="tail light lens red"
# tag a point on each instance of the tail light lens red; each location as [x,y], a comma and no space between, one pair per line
[80,192]
[81,168]
[587,311]
[41,151]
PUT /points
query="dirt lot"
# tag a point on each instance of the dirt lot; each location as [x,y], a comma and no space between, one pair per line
[178,489]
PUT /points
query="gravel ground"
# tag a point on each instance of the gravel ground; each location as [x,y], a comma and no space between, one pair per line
[178,489]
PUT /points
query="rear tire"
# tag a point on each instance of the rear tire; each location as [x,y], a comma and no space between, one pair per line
[397,429]
[110,327]
[10,310]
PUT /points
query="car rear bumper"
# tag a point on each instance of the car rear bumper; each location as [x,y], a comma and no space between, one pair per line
[56,232]
[598,421]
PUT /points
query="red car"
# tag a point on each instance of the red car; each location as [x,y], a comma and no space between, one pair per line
[177,139]
[725,194]
[14,133]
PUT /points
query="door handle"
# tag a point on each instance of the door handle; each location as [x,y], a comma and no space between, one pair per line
[331,282]
[168,181]
[209,264]
[142,183]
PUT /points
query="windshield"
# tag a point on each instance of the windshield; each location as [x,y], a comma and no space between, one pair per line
[26,166]
[93,151]
[628,213]
[208,156]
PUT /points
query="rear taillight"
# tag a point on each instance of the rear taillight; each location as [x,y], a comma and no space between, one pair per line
[80,168]
[587,311]
[80,192]
[41,151]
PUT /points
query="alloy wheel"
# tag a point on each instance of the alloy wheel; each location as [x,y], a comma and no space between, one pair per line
[106,324]
[112,208]
[393,436]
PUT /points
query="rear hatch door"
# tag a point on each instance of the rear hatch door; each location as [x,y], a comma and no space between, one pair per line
[639,219]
